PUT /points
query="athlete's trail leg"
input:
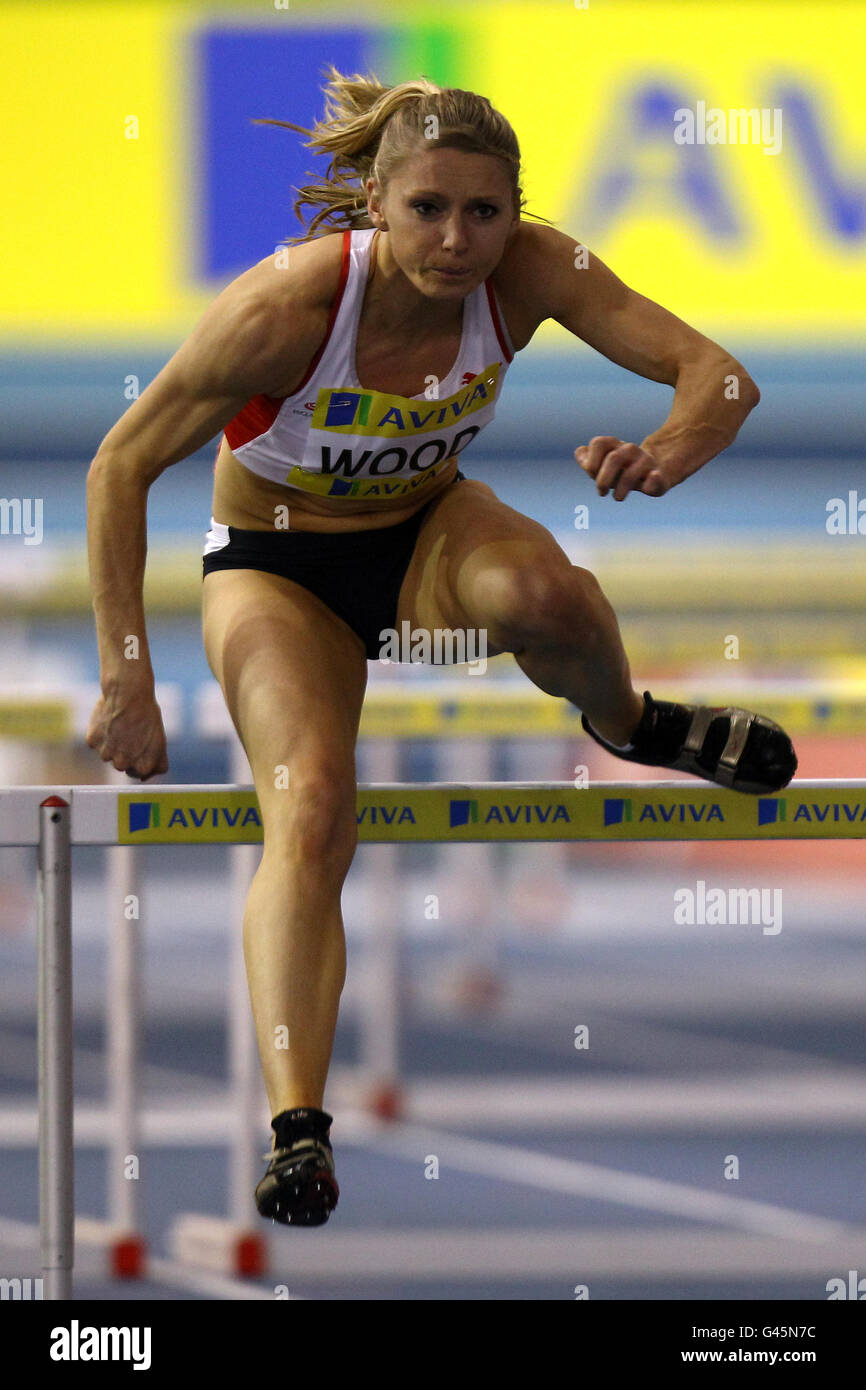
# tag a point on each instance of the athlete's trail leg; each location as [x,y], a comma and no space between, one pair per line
[293,676]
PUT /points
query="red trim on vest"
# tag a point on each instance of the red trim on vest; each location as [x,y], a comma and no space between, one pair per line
[260,413]
[256,418]
[497,322]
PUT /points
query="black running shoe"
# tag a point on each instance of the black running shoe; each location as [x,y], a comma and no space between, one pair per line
[730,746]
[299,1187]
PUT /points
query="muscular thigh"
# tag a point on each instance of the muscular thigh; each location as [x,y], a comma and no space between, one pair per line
[466,536]
[293,676]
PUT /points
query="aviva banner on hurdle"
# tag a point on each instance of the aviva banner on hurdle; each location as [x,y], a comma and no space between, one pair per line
[550,811]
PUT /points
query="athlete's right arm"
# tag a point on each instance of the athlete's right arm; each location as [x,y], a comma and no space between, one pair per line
[257,334]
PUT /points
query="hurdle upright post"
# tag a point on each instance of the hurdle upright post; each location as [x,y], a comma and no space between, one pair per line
[235,1244]
[381,1004]
[123,1008]
[249,1253]
[56,1151]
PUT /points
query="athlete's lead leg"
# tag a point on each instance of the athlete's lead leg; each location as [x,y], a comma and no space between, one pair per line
[480,564]
[563,633]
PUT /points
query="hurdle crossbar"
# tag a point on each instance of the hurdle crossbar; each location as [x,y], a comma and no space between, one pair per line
[455,812]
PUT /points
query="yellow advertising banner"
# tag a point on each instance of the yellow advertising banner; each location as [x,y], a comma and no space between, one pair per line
[547,812]
[712,155]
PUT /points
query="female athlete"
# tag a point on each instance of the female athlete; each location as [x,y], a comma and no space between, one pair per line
[347,373]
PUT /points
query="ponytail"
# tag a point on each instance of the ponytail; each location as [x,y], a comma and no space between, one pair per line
[368,129]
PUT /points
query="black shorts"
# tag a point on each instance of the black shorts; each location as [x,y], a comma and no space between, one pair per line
[358,574]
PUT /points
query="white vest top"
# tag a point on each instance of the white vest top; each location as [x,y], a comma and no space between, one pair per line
[333,438]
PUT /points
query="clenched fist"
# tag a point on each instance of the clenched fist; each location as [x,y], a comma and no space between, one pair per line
[126,730]
[623,467]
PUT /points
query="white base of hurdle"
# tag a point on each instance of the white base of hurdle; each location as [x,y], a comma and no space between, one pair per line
[218,1244]
[196,1239]
[123,1251]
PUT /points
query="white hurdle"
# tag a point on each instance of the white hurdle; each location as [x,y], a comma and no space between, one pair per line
[463,720]
[55,819]
[397,711]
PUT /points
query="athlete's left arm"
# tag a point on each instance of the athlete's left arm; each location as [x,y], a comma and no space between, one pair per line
[713,392]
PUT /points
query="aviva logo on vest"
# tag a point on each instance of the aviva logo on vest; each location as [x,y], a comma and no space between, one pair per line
[379,413]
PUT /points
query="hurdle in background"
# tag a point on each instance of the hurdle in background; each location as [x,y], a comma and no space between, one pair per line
[443,710]
[56,819]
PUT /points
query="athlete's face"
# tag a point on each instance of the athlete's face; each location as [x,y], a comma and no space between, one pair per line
[446,211]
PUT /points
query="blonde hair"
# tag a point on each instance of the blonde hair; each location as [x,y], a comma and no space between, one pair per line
[368,129]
